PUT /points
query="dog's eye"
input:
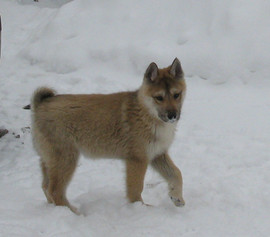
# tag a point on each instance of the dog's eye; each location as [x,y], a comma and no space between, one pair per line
[159,98]
[175,96]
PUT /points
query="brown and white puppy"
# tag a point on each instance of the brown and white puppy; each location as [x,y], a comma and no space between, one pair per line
[137,127]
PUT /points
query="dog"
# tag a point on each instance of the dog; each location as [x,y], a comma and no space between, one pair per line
[137,127]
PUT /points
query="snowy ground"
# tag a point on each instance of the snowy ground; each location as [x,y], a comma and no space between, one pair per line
[223,140]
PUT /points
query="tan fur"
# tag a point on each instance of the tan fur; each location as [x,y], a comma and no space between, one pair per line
[133,126]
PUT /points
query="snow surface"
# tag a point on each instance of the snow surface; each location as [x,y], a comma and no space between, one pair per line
[95,46]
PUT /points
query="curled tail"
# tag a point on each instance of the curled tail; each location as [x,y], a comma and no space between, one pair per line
[39,95]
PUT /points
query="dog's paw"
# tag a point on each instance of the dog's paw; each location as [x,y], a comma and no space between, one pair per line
[176,197]
[179,202]
[74,210]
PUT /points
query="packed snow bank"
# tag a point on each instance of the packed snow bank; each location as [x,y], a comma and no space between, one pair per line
[216,40]
[222,143]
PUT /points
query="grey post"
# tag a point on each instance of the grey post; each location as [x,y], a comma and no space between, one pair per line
[0,35]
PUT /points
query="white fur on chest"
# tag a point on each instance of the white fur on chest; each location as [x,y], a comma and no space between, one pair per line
[162,139]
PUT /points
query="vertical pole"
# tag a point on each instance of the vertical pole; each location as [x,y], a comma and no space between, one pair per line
[0,35]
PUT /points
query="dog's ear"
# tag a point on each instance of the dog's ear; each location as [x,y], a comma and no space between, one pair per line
[151,72]
[176,69]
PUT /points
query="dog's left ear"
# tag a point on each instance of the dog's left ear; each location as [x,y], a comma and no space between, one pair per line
[176,69]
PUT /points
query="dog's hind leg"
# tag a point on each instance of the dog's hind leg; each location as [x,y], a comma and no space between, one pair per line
[45,180]
[62,165]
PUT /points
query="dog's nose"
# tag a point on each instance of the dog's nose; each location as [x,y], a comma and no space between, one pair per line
[171,115]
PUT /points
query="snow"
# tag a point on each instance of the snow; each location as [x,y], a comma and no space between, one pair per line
[223,140]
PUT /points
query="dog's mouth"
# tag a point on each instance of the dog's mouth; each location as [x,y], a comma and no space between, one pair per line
[165,118]
[172,120]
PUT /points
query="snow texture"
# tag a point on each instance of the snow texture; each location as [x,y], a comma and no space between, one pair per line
[94,46]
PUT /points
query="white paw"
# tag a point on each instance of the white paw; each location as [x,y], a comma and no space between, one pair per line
[179,202]
[74,210]
[176,197]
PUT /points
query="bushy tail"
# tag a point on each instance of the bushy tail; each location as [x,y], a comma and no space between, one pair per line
[39,95]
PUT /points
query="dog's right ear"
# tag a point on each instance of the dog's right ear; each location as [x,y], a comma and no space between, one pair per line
[151,72]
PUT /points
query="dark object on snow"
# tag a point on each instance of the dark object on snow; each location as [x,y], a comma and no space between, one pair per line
[3,132]
[16,135]
[26,130]
[27,107]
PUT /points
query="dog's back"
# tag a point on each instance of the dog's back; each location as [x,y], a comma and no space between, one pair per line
[93,124]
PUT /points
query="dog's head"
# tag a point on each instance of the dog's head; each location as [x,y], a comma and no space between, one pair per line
[163,91]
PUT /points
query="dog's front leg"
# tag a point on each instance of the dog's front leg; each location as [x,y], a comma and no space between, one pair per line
[136,169]
[165,166]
